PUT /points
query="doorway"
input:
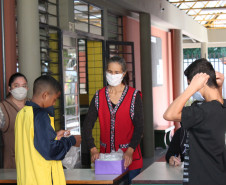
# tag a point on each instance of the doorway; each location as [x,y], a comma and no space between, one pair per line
[91,72]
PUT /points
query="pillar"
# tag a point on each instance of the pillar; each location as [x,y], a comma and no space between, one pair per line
[28,41]
[204,50]
[8,67]
[177,67]
[66,14]
[10,38]
[146,83]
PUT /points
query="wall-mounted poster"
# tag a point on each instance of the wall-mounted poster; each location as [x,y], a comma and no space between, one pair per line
[157,63]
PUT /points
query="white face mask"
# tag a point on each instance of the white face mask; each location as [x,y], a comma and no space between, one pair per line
[198,96]
[114,80]
[19,93]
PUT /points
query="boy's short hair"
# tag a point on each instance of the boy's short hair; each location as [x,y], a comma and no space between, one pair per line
[46,83]
[202,66]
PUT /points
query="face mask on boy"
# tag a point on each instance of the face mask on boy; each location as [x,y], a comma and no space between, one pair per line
[198,96]
[19,93]
[114,80]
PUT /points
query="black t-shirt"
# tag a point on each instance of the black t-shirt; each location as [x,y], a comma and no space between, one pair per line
[205,159]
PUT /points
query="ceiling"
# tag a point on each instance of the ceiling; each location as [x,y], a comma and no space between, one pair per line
[211,14]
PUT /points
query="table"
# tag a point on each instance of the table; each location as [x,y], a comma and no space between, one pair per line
[160,173]
[74,176]
[162,135]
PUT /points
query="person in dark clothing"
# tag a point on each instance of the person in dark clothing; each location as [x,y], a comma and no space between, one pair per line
[176,150]
[205,156]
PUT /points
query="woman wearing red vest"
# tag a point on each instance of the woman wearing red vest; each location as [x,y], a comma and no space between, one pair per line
[120,112]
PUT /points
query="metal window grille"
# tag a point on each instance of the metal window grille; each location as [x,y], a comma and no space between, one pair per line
[88,18]
[115,27]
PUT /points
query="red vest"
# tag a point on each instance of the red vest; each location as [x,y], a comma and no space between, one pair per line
[116,126]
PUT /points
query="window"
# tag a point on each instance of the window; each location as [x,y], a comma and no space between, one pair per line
[88,18]
[70,81]
[115,27]
[48,12]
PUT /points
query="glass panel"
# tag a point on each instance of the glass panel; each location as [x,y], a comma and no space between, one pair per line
[95,20]
[81,16]
[72,112]
[52,21]
[43,33]
[72,119]
[45,67]
[44,44]
[71,76]
[115,27]
[95,30]
[70,88]
[52,9]
[70,100]
[72,123]
[86,17]
[42,18]
[81,26]
[81,6]
[70,42]
[94,10]
[72,53]
[44,55]
[70,64]
[70,68]
[42,7]
[74,126]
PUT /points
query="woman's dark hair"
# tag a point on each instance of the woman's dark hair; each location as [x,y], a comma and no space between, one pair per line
[121,61]
[202,66]
[14,76]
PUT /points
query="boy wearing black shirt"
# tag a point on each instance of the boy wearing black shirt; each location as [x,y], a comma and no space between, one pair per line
[205,158]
